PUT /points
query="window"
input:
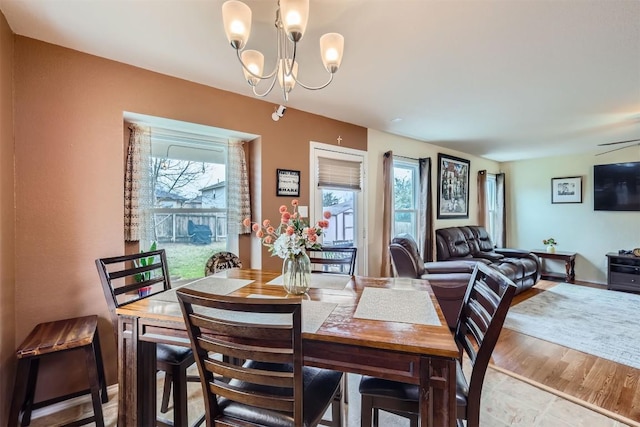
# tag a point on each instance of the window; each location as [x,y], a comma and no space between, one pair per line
[492,206]
[189,208]
[405,203]
[338,187]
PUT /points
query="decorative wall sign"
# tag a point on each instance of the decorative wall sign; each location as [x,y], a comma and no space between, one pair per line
[288,183]
[453,187]
[566,190]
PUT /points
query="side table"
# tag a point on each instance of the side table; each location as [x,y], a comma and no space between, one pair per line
[569,259]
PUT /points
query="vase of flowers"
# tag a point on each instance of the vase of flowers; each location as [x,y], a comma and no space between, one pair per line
[551,245]
[290,240]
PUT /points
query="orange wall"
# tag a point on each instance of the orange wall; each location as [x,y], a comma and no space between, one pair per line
[7,222]
[69,170]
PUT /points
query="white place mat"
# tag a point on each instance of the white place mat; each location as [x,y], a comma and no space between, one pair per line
[397,305]
[322,281]
[314,313]
[209,284]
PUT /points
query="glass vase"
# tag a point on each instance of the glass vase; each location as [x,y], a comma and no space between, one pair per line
[296,274]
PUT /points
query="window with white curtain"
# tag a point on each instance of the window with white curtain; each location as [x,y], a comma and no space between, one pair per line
[492,206]
[406,187]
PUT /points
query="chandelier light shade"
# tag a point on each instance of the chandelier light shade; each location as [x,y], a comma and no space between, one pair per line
[291,22]
[332,46]
[294,15]
[237,23]
[254,62]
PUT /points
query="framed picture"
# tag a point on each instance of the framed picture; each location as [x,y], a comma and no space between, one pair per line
[453,187]
[288,183]
[566,190]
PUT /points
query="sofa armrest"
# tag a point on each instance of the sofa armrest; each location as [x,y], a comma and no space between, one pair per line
[491,256]
[513,253]
[470,259]
[447,267]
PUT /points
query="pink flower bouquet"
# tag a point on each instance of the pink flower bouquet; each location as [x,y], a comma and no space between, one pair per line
[292,236]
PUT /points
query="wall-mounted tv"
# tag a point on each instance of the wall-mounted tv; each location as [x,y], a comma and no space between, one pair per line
[616,187]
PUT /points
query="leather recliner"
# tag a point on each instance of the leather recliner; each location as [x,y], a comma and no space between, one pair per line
[473,243]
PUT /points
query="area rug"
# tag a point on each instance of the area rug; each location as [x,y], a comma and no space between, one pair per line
[595,321]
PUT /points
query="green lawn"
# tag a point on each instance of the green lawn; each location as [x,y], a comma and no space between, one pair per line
[187,261]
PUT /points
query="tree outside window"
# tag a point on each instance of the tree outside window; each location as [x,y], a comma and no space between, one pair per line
[405,190]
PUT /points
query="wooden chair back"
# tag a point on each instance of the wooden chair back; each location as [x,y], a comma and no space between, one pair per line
[483,312]
[129,278]
[333,259]
[484,309]
[265,331]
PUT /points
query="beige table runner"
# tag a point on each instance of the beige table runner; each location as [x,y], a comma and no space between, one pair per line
[322,281]
[397,305]
[209,284]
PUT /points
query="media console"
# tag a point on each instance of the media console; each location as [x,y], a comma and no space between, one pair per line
[623,272]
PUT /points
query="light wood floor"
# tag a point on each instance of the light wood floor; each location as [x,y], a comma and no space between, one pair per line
[580,377]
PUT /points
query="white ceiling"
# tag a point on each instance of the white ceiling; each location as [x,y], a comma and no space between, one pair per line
[501,79]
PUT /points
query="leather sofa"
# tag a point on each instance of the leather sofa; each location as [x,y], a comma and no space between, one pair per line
[449,277]
[473,243]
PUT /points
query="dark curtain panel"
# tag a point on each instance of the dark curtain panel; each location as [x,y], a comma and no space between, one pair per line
[425,214]
[387,212]
[501,213]
[482,198]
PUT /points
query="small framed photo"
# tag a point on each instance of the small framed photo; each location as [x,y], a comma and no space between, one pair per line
[566,190]
[288,183]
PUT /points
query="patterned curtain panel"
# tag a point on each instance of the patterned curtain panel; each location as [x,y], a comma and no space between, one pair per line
[138,192]
[238,196]
[387,212]
[482,198]
[425,215]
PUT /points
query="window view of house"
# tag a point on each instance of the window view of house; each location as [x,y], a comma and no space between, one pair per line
[340,203]
[189,202]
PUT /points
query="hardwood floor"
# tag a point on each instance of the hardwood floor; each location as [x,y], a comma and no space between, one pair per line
[597,383]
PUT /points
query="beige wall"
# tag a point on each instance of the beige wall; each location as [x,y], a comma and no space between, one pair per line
[379,143]
[7,222]
[69,170]
[577,227]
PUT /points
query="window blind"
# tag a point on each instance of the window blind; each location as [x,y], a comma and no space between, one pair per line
[337,173]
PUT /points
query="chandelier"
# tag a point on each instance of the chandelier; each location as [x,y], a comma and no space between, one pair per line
[291,22]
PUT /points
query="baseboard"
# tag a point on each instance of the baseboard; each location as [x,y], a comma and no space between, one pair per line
[67,404]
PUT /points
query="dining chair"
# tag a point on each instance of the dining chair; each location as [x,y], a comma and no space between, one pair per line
[484,309]
[221,261]
[338,260]
[272,387]
[129,278]
[333,259]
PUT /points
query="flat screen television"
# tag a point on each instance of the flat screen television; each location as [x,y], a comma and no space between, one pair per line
[616,187]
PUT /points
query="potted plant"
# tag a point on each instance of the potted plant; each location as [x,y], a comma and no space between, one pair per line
[551,244]
[141,277]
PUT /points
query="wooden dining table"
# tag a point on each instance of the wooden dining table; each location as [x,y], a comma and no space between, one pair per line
[417,353]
